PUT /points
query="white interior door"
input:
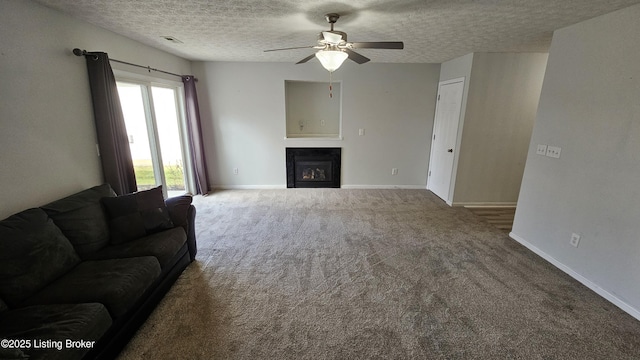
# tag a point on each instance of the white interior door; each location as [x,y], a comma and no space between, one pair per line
[445,131]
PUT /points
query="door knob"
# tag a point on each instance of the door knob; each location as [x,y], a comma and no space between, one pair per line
[450,150]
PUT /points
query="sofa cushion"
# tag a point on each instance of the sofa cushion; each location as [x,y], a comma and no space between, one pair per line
[34,253]
[3,306]
[163,246]
[135,215]
[116,283]
[57,323]
[82,218]
[12,354]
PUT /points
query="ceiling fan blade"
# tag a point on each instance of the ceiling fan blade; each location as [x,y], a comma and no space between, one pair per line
[291,48]
[378,45]
[306,59]
[356,57]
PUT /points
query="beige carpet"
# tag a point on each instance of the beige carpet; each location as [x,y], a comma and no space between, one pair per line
[371,274]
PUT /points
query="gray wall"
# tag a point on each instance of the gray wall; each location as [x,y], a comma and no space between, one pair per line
[590,107]
[499,103]
[504,90]
[47,135]
[243,105]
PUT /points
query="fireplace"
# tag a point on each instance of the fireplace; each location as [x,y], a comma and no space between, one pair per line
[313,167]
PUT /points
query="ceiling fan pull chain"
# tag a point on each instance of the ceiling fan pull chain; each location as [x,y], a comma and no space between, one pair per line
[330,84]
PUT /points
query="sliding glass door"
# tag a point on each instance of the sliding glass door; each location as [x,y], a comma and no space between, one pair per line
[155,127]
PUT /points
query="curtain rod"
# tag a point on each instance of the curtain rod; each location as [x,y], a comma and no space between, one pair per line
[79,52]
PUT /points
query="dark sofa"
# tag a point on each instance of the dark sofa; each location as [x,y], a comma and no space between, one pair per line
[78,276]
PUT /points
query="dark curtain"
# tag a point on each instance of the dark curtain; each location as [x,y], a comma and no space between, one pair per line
[113,142]
[194,130]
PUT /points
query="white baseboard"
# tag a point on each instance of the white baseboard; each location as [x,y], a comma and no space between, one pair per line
[284,186]
[408,187]
[248,187]
[485,204]
[586,282]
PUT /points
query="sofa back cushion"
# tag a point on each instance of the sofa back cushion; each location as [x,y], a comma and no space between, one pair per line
[82,218]
[34,253]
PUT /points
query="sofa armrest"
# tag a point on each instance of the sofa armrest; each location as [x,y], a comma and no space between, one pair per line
[191,233]
[183,214]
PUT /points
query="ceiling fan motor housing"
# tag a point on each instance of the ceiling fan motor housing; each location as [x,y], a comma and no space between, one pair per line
[322,40]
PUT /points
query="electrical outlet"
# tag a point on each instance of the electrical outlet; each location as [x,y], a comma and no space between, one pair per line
[553,151]
[575,240]
[321,122]
[541,150]
[361,132]
[394,171]
[235,171]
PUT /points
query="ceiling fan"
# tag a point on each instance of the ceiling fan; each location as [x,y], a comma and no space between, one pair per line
[334,49]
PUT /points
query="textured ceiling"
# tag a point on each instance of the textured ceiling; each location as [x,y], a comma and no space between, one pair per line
[433,31]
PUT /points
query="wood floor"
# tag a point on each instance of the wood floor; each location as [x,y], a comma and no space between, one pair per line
[500,217]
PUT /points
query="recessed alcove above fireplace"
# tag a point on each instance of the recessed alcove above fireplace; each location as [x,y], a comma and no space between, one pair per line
[313,167]
[313,110]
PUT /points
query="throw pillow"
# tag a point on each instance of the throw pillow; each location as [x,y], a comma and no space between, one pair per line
[179,209]
[135,215]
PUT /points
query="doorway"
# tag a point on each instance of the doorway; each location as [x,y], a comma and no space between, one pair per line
[155,128]
[445,134]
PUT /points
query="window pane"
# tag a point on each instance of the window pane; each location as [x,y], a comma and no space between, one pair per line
[136,124]
[164,103]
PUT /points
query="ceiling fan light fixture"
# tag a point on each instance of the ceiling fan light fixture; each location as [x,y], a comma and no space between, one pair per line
[331,59]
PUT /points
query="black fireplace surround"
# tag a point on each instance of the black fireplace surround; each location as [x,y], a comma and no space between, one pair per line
[313,167]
